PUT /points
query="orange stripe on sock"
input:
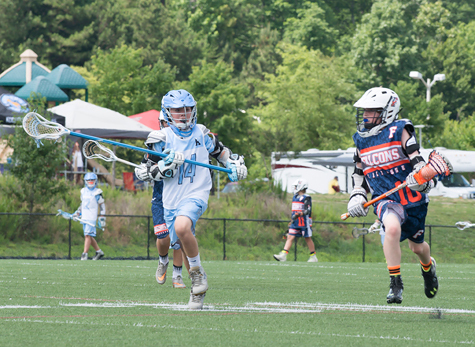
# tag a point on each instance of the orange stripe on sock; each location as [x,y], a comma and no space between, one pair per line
[394,270]
[426,267]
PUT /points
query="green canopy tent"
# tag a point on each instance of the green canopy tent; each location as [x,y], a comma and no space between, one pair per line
[66,78]
[40,85]
[24,71]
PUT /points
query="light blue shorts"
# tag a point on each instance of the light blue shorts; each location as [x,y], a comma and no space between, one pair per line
[89,230]
[191,208]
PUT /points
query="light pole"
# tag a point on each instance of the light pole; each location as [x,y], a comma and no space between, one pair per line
[418,76]
[420,126]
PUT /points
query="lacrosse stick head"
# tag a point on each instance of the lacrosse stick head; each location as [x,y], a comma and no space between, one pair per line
[357,232]
[438,166]
[40,128]
[463,225]
[65,215]
[94,150]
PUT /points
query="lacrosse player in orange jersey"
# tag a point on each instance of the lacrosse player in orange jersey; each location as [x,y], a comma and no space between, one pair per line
[387,154]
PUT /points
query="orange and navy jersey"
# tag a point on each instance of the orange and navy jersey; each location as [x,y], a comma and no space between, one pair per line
[386,165]
[301,203]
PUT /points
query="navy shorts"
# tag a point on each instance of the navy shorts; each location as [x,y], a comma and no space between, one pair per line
[412,219]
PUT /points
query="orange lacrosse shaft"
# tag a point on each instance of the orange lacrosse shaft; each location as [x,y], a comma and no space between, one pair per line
[345,216]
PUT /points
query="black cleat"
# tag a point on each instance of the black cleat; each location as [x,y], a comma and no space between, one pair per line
[395,290]
[431,283]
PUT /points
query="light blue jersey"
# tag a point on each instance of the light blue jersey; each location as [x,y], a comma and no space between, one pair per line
[191,181]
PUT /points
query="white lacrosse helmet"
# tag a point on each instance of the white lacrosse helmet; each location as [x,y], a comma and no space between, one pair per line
[299,185]
[90,180]
[162,120]
[180,99]
[380,99]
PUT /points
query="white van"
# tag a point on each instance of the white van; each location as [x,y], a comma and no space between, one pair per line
[320,167]
[454,186]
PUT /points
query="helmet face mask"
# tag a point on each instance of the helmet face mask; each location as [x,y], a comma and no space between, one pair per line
[90,180]
[299,185]
[162,121]
[180,111]
[376,100]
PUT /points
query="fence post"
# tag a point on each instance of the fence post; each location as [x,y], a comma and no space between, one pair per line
[148,237]
[295,249]
[430,238]
[69,254]
[224,238]
[364,245]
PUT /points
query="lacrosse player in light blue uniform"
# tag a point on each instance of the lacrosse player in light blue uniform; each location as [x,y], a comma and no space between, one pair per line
[91,201]
[186,187]
[160,227]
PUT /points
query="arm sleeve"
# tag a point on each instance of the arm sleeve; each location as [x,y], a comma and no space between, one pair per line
[307,206]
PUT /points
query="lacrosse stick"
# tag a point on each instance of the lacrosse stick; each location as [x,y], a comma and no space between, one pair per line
[357,232]
[464,225]
[92,150]
[40,128]
[67,215]
[438,165]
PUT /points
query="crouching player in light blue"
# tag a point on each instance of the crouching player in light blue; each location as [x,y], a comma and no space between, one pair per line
[91,201]
[186,187]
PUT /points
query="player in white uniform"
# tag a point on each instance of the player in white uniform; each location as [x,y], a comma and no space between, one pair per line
[186,187]
[91,201]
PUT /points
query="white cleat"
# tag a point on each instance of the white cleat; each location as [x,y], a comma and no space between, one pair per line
[178,282]
[84,256]
[98,255]
[282,256]
[161,274]
[196,301]
[312,259]
[199,280]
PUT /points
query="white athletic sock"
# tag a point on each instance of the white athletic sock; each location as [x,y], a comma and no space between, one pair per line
[177,271]
[164,260]
[195,261]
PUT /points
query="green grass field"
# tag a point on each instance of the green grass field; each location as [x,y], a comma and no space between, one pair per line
[119,303]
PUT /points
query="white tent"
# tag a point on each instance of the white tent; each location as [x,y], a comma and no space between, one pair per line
[87,118]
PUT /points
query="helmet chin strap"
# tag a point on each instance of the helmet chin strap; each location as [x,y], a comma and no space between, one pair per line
[368,125]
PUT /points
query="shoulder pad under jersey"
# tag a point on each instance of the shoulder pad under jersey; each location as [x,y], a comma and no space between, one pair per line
[203,128]
[98,191]
[156,136]
[408,125]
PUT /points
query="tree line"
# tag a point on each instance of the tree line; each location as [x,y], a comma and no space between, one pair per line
[268,75]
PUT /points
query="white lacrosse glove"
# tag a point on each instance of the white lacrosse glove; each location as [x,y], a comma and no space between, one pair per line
[102,221]
[76,215]
[167,167]
[373,228]
[414,185]
[357,200]
[176,158]
[142,173]
[238,167]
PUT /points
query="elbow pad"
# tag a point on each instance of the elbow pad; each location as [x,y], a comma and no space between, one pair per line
[412,145]
[220,153]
